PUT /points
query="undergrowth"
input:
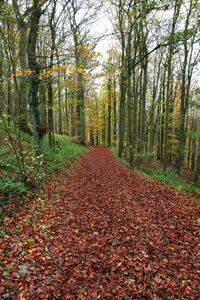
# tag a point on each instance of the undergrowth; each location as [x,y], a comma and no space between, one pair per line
[38,169]
[65,152]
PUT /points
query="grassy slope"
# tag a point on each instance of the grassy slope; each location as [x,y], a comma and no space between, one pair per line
[11,184]
[65,153]
[169,178]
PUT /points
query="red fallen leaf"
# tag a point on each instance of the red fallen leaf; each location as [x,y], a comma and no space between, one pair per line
[102,216]
[60,237]
[158,279]
[90,273]
[119,264]
[68,297]
[20,284]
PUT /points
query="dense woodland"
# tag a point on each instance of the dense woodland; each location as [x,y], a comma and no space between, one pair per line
[142,96]
[81,80]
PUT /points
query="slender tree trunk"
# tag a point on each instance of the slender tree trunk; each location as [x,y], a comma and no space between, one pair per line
[197,172]
[60,127]
[50,79]
[153,126]
[185,88]
[143,105]
[129,94]
[114,112]
[104,125]
[122,112]
[162,118]
[139,114]
[81,109]
[50,112]
[9,100]
[109,85]
[177,6]
[135,115]
[67,114]
[144,66]
[192,128]
[97,130]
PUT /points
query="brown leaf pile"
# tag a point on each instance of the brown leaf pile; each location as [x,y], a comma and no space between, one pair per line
[102,233]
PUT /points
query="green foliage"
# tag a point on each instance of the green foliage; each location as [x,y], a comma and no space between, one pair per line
[9,175]
[193,135]
[8,185]
[65,152]
[172,179]
[34,167]
[7,160]
[22,170]
[169,178]
[165,176]
[195,104]
[146,154]
[5,274]
[33,164]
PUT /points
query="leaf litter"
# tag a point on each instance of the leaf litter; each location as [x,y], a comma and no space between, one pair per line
[102,232]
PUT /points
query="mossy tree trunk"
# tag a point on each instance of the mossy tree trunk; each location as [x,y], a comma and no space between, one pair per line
[34,76]
[50,78]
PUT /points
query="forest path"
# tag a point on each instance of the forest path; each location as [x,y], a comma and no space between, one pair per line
[104,232]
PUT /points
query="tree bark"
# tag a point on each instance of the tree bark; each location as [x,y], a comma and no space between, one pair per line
[177,6]
[34,76]
[109,85]
[122,113]
[114,112]
[23,87]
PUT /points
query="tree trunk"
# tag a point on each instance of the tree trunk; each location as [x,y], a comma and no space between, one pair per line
[9,101]
[23,91]
[122,113]
[177,6]
[50,79]
[185,87]
[81,109]
[197,172]
[60,125]
[109,85]
[34,76]
[43,103]
[114,112]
